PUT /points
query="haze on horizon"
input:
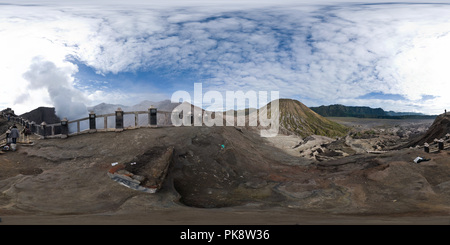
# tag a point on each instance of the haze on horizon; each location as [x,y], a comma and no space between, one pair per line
[76,54]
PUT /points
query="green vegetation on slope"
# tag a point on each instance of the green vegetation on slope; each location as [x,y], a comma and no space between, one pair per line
[365,112]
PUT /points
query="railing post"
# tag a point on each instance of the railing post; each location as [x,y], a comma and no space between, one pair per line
[191,118]
[33,127]
[119,119]
[64,128]
[136,119]
[152,116]
[92,126]
[43,126]
[441,144]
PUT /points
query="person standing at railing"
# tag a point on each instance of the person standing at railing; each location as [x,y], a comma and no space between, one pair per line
[8,132]
[26,132]
[14,134]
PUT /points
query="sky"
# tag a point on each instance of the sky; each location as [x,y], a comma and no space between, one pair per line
[74,54]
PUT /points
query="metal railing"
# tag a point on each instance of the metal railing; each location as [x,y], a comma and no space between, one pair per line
[97,123]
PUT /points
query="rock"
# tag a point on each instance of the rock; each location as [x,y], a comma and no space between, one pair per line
[255,183]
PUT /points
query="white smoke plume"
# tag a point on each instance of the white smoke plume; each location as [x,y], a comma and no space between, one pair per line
[58,81]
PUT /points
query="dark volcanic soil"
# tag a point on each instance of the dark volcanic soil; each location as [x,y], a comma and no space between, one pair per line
[219,175]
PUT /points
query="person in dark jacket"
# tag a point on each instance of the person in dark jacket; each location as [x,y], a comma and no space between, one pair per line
[26,132]
[14,134]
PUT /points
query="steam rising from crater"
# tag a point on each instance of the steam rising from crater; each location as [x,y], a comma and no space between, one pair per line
[58,82]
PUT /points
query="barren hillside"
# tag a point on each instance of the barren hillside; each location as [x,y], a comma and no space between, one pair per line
[232,170]
[298,119]
[438,130]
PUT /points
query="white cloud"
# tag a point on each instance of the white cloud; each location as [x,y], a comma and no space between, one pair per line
[326,52]
[57,81]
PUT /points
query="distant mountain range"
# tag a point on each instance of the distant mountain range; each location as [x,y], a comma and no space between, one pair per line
[295,117]
[364,112]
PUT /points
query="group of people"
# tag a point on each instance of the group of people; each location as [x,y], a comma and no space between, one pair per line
[13,133]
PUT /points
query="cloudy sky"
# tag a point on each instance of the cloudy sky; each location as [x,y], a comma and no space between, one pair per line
[73,54]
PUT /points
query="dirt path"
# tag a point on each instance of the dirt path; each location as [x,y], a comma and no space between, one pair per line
[224,216]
